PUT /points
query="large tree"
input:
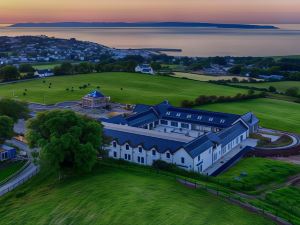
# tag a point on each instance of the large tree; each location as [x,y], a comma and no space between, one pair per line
[14,109]
[6,128]
[67,140]
[9,73]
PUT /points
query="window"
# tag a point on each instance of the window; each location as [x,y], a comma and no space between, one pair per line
[125,156]
[114,144]
[142,160]
[115,154]
[185,125]
[178,114]
[153,152]
[174,124]
[156,123]
[168,113]
[199,117]
[140,149]
[211,119]
[129,157]
[139,159]
[189,116]
[164,122]
[241,138]
[168,155]
[199,157]
[222,121]
[182,160]
[127,147]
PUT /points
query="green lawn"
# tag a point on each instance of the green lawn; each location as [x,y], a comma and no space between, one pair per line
[202,77]
[117,196]
[9,169]
[280,86]
[276,114]
[122,87]
[252,173]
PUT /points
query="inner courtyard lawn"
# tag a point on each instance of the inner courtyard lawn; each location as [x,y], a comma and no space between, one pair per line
[275,114]
[117,196]
[252,173]
[122,87]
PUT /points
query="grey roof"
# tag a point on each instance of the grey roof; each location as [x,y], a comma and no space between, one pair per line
[250,119]
[232,132]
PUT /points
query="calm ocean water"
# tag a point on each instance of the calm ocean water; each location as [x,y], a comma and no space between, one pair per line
[193,41]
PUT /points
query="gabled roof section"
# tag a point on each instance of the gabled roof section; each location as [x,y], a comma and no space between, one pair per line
[95,94]
[148,142]
[142,118]
[141,108]
[232,132]
[250,118]
[198,146]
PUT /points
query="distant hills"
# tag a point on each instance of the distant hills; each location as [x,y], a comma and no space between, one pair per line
[144,24]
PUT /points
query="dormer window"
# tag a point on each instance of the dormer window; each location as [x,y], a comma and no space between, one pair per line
[222,121]
[189,116]
[178,114]
[168,113]
[199,117]
[211,119]
[114,144]
[127,147]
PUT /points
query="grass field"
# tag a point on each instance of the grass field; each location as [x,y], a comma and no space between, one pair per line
[45,66]
[251,173]
[275,114]
[116,196]
[200,77]
[122,87]
[280,86]
[10,169]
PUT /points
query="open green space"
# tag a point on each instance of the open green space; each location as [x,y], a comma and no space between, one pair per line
[45,66]
[117,196]
[9,168]
[122,87]
[280,86]
[251,174]
[275,114]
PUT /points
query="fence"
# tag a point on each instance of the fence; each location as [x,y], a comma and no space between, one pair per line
[18,183]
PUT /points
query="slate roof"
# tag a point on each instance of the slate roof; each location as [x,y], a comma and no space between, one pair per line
[142,118]
[250,119]
[95,94]
[160,144]
[232,132]
[6,148]
[168,112]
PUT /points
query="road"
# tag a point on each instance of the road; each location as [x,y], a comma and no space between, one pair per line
[24,175]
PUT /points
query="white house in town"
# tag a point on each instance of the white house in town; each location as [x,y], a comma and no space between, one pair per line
[192,139]
[144,68]
[44,73]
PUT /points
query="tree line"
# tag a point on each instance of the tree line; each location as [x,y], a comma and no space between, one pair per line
[204,99]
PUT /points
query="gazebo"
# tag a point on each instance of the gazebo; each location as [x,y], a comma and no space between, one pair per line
[95,99]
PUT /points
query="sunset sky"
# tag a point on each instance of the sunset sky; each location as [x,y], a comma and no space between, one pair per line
[225,11]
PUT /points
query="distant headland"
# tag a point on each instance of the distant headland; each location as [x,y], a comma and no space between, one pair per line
[144,24]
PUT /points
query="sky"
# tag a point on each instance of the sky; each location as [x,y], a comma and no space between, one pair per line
[220,11]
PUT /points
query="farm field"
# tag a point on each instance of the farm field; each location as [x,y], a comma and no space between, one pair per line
[280,86]
[136,198]
[252,173]
[45,66]
[274,114]
[200,77]
[9,169]
[122,87]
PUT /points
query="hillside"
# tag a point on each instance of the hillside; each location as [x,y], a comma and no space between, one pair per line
[116,196]
[122,87]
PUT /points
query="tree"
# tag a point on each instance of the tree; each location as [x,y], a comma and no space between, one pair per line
[272,89]
[293,91]
[6,128]
[26,68]
[9,73]
[237,69]
[14,109]
[67,140]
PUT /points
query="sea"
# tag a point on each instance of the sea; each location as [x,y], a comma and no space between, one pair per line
[200,42]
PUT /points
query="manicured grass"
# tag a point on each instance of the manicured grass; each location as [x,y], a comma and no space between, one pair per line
[8,169]
[122,87]
[280,86]
[203,77]
[252,173]
[117,196]
[275,114]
